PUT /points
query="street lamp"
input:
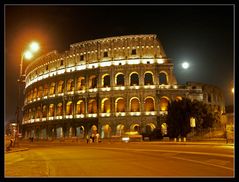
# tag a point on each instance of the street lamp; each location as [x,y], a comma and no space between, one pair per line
[233,90]
[28,54]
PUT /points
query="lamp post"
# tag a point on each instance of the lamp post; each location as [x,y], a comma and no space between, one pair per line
[34,47]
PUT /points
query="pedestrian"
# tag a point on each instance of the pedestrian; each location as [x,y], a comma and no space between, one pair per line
[87,138]
[226,136]
[11,142]
[97,137]
[93,138]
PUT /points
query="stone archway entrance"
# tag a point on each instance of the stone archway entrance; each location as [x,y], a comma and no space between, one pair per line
[135,128]
[105,131]
[120,130]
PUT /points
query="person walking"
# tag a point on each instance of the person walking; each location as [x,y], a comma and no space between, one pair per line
[93,138]
[87,138]
[97,137]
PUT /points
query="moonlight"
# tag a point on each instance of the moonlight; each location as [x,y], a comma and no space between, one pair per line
[185,65]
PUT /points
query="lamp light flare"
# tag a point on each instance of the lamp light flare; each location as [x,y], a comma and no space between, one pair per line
[185,65]
[34,46]
[28,55]
[233,90]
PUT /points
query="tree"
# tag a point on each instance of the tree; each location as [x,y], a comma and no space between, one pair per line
[180,112]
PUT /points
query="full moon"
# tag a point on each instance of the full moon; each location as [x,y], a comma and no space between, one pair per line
[185,65]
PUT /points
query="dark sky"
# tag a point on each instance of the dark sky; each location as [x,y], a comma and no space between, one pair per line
[201,35]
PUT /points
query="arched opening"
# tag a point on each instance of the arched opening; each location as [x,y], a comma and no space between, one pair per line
[69,108]
[119,79]
[93,81]
[32,134]
[105,105]
[70,132]
[80,107]
[120,130]
[44,111]
[35,93]
[92,106]
[60,86]
[33,113]
[45,90]
[28,96]
[70,85]
[163,79]
[31,95]
[59,109]
[39,112]
[106,80]
[59,132]
[134,79]
[51,110]
[40,92]
[178,98]
[105,131]
[120,105]
[52,88]
[30,113]
[25,115]
[149,128]
[148,78]
[163,103]
[164,128]
[135,127]
[80,131]
[148,104]
[43,134]
[134,105]
[81,83]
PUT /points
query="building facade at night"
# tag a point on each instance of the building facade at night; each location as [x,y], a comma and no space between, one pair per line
[110,86]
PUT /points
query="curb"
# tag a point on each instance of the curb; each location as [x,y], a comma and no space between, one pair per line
[17,150]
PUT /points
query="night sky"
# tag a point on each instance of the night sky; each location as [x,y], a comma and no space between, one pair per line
[201,35]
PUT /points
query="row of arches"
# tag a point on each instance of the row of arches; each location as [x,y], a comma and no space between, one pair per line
[105,131]
[91,107]
[80,83]
[59,132]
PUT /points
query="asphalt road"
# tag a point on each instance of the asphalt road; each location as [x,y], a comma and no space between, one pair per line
[121,160]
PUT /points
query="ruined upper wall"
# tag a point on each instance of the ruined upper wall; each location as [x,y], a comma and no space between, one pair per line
[98,50]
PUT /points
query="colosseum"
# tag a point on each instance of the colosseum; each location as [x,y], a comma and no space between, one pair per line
[108,86]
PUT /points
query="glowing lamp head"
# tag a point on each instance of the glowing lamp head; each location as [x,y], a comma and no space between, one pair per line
[34,46]
[28,55]
[185,65]
[233,90]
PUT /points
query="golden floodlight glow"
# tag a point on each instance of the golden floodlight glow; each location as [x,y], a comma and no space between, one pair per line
[34,46]
[233,90]
[28,54]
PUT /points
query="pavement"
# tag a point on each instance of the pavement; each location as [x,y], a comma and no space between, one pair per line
[120,159]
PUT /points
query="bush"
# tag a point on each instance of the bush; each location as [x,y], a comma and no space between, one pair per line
[156,134]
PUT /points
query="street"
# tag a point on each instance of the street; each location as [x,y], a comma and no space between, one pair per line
[139,159]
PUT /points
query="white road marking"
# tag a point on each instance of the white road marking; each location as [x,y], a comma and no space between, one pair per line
[169,151]
[204,163]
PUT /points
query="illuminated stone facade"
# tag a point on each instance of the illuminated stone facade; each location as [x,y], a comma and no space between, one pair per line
[110,85]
